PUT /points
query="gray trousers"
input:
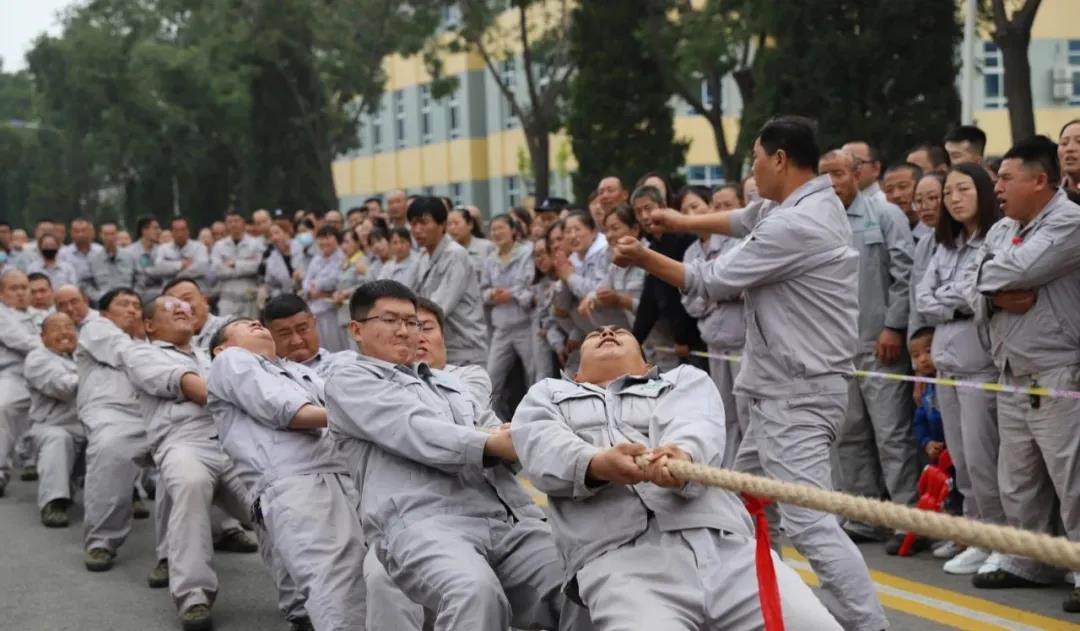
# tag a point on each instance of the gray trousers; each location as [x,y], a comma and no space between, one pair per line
[478,573]
[312,526]
[113,447]
[736,407]
[196,474]
[236,304]
[791,440]
[1039,463]
[692,580]
[220,521]
[389,607]
[57,452]
[506,346]
[14,420]
[969,418]
[876,447]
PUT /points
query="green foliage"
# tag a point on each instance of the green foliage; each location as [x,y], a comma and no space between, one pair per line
[620,122]
[882,70]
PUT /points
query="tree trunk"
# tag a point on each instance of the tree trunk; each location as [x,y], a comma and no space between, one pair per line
[732,164]
[1014,53]
[539,143]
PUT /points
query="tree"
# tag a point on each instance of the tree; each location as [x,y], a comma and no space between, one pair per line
[620,120]
[882,71]
[698,44]
[537,31]
[1012,34]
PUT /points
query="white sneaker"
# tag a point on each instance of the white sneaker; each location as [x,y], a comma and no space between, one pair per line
[967,562]
[947,550]
[992,563]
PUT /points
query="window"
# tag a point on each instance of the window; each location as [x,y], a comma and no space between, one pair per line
[425,113]
[399,117]
[509,77]
[453,113]
[513,191]
[707,96]
[704,175]
[429,190]
[1074,72]
[993,77]
[376,127]
[455,193]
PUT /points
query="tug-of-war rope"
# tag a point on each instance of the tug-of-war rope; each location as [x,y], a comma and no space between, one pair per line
[1056,551]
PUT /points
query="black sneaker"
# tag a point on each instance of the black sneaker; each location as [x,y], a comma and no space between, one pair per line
[1001,579]
[892,546]
[98,560]
[159,576]
[54,515]
[139,510]
[301,624]
[28,474]
[196,618]
[1072,603]
[237,540]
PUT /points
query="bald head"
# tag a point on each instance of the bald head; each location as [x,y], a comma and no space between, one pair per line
[842,168]
[610,193]
[14,289]
[71,301]
[58,333]
[397,204]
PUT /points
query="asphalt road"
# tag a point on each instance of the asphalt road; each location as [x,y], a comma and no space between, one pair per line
[45,587]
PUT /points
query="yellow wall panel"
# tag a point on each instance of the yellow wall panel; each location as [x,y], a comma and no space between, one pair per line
[995,123]
[1057,19]
[697,130]
[343,180]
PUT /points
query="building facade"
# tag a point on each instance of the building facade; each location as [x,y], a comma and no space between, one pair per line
[469,147]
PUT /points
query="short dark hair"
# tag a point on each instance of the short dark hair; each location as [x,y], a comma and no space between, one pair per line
[875,155]
[585,218]
[143,222]
[222,334]
[109,296]
[936,153]
[377,234]
[401,232]
[231,212]
[180,281]
[1038,151]
[365,296]
[327,230]
[651,192]
[283,306]
[31,277]
[1066,126]
[916,170]
[796,135]
[426,205]
[625,214]
[373,199]
[173,220]
[355,210]
[926,331]
[970,134]
[702,192]
[426,304]
[987,211]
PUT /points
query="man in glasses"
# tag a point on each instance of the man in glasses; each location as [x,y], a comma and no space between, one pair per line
[447,519]
[170,374]
[684,554]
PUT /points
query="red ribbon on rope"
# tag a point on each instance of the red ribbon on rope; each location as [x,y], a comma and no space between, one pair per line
[768,590]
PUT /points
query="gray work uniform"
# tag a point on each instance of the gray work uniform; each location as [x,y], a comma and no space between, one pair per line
[876,447]
[323,274]
[116,434]
[79,261]
[349,280]
[403,271]
[618,542]
[548,338]
[479,249]
[193,468]
[238,283]
[961,350]
[924,251]
[444,277]
[623,280]
[475,378]
[798,275]
[206,333]
[723,329]
[1039,442]
[591,270]
[57,435]
[60,273]
[511,322]
[18,336]
[148,279]
[111,271]
[277,275]
[168,260]
[459,538]
[306,500]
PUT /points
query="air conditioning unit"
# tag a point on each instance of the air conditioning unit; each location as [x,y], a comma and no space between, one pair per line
[1061,74]
[1061,86]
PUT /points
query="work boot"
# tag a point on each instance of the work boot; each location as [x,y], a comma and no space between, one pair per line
[196,618]
[1072,603]
[3,485]
[159,576]
[28,474]
[54,515]
[98,560]
[236,540]
[304,624]
[1002,579]
[138,509]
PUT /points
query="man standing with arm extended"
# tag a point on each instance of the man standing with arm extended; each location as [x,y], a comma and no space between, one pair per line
[799,276]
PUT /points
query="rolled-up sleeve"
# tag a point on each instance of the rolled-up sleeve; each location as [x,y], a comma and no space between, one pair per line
[153,371]
[237,377]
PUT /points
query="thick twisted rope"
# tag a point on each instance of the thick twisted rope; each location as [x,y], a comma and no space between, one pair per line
[1056,551]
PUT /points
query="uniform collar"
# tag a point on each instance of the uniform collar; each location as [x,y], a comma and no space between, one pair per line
[815,185]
